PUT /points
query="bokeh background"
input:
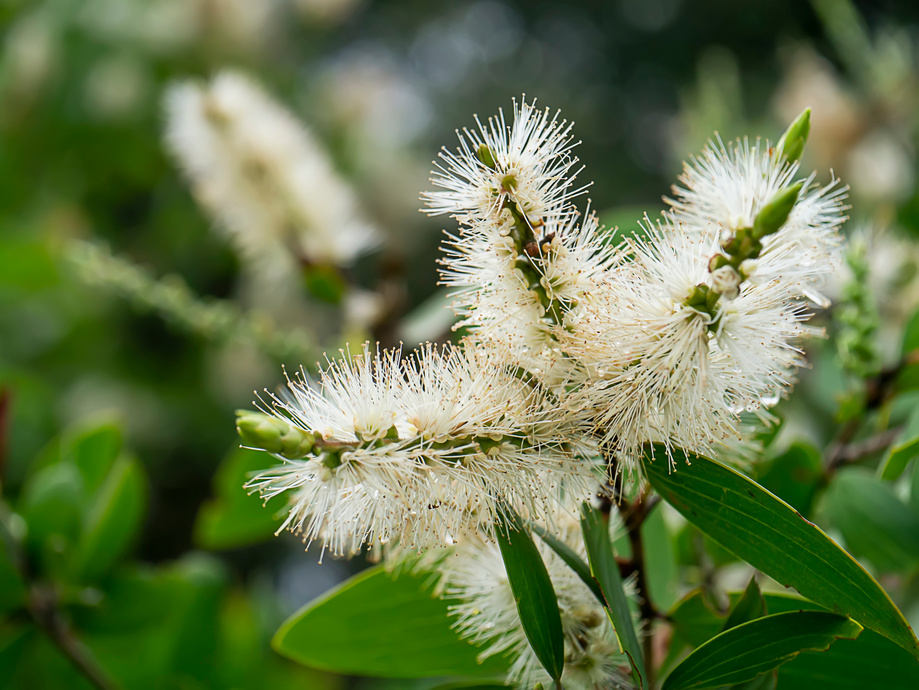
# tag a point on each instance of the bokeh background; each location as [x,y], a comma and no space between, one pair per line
[128,318]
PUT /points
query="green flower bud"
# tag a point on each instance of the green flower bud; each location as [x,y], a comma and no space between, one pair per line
[258,430]
[773,215]
[485,155]
[792,142]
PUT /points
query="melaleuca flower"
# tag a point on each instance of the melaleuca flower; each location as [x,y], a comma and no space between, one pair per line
[724,190]
[501,174]
[475,579]
[422,450]
[262,174]
[673,361]
[527,299]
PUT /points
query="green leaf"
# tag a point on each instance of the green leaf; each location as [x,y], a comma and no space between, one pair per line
[170,612]
[605,570]
[27,264]
[914,487]
[750,649]
[794,476]
[12,588]
[869,661]
[695,618]
[51,505]
[93,447]
[905,449]
[534,595]
[875,523]
[324,282]
[750,607]
[114,519]
[374,625]
[908,379]
[235,518]
[660,560]
[571,559]
[772,537]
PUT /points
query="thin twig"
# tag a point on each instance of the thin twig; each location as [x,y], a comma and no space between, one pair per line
[47,616]
[878,389]
[853,452]
[42,605]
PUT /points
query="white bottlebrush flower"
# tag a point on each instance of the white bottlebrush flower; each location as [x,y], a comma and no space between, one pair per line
[725,188]
[526,300]
[475,579]
[262,175]
[527,164]
[422,450]
[663,370]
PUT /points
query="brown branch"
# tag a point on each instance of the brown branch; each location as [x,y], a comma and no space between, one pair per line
[878,390]
[47,616]
[853,452]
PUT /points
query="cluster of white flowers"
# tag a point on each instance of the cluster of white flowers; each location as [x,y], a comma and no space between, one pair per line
[668,338]
[474,577]
[262,175]
[424,450]
[582,354]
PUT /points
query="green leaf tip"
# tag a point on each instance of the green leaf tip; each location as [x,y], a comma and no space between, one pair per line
[773,215]
[795,137]
[259,430]
[537,603]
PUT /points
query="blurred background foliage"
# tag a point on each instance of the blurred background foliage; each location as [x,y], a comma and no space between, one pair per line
[130,331]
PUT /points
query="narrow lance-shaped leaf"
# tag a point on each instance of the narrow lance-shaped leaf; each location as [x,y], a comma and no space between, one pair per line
[770,535]
[571,559]
[758,646]
[537,604]
[606,571]
[750,607]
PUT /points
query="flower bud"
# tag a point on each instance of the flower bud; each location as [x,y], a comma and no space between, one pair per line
[484,154]
[792,142]
[259,430]
[773,215]
[726,281]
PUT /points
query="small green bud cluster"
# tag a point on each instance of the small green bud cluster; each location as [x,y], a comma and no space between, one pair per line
[259,430]
[857,316]
[745,243]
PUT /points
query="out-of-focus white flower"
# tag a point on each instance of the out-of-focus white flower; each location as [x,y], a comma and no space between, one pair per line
[422,451]
[527,165]
[474,577]
[262,174]
[725,188]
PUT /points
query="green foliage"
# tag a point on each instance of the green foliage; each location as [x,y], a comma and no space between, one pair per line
[534,595]
[378,625]
[794,476]
[750,607]
[234,517]
[875,523]
[770,535]
[605,571]
[741,653]
[905,449]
